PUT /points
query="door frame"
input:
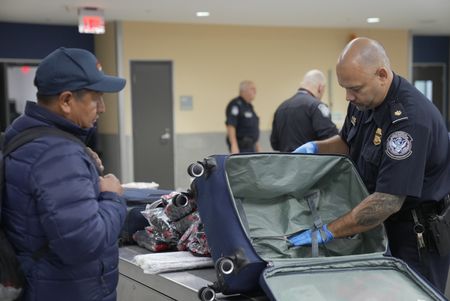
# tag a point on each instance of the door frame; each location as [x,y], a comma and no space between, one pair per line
[445,100]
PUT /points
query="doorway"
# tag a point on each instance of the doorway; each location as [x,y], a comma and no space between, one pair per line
[16,88]
[430,80]
[152,109]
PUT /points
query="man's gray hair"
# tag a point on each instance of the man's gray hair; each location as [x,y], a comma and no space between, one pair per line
[313,78]
[244,85]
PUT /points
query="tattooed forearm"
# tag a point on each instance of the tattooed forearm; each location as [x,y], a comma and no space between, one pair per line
[371,212]
[376,208]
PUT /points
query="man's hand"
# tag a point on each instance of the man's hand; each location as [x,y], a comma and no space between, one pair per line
[307,148]
[304,238]
[97,160]
[110,183]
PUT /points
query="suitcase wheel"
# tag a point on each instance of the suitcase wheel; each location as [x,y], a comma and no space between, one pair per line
[180,200]
[207,294]
[196,170]
[225,265]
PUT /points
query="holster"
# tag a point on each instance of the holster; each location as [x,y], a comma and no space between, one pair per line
[439,226]
[246,143]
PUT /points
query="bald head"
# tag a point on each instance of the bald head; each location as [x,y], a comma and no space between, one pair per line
[364,53]
[364,71]
[247,90]
[314,81]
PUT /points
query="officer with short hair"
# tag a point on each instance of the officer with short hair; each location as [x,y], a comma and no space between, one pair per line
[401,148]
[242,122]
[303,117]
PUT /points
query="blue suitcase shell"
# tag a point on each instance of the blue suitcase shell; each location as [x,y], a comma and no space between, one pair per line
[234,192]
[225,234]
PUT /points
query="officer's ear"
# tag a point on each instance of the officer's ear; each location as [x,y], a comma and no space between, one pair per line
[321,90]
[382,73]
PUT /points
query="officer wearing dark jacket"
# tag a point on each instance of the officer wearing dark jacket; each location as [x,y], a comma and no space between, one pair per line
[242,123]
[401,147]
[303,117]
[56,204]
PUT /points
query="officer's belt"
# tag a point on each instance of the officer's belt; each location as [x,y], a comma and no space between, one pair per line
[424,210]
[245,139]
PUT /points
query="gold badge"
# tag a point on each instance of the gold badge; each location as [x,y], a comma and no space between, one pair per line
[377,137]
[353,120]
[398,113]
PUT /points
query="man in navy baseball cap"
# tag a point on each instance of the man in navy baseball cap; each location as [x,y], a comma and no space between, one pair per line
[73,69]
[55,187]
[71,83]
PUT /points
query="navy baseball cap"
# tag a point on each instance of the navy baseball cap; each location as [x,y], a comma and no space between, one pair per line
[72,69]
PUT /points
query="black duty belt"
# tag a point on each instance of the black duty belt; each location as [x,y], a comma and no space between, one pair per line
[246,142]
[246,139]
[423,210]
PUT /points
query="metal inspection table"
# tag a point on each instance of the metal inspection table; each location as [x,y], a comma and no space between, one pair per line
[135,285]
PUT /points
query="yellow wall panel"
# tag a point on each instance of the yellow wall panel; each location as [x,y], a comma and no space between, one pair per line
[209,61]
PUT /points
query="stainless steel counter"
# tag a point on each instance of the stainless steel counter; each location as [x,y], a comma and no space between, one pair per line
[134,285]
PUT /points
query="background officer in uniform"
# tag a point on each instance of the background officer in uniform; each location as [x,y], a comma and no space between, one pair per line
[400,145]
[303,117]
[242,122]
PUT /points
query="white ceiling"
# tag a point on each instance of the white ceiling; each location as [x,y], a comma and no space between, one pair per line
[430,17]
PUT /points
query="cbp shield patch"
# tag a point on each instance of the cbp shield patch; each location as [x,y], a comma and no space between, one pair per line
[324,110]
[399,145]
[235,110]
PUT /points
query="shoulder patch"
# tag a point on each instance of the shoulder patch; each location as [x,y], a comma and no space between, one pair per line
[324,110]
[234,110]
[399,145]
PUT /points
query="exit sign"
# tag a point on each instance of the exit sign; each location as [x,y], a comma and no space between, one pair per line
[91,20]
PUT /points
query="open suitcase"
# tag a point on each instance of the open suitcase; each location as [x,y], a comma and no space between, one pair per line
[250,203]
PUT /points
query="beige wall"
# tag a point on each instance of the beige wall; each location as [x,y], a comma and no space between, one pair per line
[209,61]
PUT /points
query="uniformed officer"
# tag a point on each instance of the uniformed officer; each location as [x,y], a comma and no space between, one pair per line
[242,122]
[400,145]
[303,117]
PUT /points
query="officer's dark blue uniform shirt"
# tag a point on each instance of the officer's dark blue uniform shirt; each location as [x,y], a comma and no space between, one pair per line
[300,119]
[402,146]
[241,115]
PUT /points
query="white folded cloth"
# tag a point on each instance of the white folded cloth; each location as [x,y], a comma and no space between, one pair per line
[155,263]
[148,185]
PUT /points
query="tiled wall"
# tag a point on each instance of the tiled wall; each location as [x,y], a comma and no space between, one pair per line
[189,148]
[193,147]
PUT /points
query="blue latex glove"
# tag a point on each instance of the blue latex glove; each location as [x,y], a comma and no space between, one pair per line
[304,238]
[307,148]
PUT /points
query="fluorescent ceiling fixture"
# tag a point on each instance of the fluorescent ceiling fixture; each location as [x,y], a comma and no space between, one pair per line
[373,20]
[203,14]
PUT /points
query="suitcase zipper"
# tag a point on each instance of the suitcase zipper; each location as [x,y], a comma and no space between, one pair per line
[279,237]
